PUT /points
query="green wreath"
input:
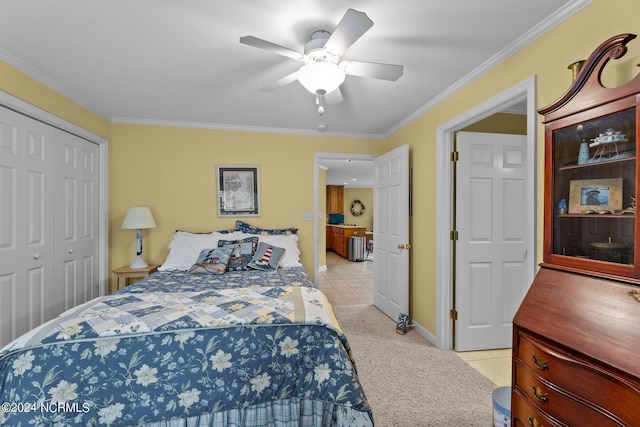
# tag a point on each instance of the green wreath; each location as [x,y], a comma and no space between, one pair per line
[357,208]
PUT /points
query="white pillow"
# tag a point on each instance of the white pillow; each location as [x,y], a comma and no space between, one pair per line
[185,248]
[289,243]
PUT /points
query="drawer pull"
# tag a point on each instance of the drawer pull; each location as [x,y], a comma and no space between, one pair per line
[537,392]
[533,422]
[540,364]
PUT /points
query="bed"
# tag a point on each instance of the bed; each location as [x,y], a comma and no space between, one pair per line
[184,347]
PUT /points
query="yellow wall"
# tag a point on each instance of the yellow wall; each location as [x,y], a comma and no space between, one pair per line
[21,86]
[547,58]
[513,124]
[365,195]
[172,170]
[322,207]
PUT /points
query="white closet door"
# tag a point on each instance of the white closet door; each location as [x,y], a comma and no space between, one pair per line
[26,223]
[76,220]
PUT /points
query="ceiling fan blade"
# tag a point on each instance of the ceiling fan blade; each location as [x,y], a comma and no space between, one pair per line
[373,70]
[282,82]
[334,97]
[352,25]
[271,47]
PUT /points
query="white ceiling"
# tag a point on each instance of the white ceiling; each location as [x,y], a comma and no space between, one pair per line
[352,173]
[178,62]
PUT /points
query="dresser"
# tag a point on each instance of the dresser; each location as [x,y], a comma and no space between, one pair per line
[576,335]
[576,358]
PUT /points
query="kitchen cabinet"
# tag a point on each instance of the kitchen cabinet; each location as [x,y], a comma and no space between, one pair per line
[339,235]
[575,335]
[335,199]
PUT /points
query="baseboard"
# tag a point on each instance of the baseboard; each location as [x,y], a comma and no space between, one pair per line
[425,333]
[322,268]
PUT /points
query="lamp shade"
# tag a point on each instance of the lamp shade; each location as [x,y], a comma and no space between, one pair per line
[137,218]
[321,76]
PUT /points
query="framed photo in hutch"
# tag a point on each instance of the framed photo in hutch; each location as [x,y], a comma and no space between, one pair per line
[238,189]
[595,195]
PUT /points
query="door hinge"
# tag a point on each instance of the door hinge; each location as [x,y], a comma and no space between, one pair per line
[453,235]
[453,314]
[455,156]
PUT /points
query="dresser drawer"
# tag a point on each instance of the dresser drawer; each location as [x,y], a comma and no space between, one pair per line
[552,401]
[525,415]
[593,385]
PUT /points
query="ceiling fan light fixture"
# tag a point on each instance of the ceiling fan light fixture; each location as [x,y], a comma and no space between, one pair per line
[317,76]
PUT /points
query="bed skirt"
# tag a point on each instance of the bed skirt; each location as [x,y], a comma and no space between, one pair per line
[280,413]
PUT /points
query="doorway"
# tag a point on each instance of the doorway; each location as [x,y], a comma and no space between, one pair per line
[390,230]
[445,222]
[321,161]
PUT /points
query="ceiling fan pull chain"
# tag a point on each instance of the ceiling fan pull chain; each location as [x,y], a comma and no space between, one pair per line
[320,101]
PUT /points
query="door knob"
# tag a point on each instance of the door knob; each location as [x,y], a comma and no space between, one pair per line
[36,256]
[401,246]
[408,246]
[70,251]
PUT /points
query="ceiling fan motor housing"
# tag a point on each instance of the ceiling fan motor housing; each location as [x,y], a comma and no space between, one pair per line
[314,50]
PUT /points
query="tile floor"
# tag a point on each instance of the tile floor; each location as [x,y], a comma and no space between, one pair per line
[347,282]
[350,283]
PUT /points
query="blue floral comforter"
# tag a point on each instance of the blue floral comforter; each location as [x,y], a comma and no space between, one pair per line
[141,358]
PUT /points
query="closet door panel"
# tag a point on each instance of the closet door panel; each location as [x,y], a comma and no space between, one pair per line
[77,177]
[37,291]
[9,249]
[26,223]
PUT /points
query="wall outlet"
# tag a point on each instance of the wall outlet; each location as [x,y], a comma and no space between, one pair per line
[307,216]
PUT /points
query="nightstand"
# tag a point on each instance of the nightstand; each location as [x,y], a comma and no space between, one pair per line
[127,273]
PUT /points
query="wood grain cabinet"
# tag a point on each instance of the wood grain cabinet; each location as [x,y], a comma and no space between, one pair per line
[335,199]
[339,236]
[576,338]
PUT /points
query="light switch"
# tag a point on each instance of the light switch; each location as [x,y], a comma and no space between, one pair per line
[307,216]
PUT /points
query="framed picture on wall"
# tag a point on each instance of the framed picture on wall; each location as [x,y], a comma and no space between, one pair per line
[238,190]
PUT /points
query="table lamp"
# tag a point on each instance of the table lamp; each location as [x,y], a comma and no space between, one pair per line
[138,218]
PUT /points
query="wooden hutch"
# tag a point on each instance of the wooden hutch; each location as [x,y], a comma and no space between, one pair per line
[576,336]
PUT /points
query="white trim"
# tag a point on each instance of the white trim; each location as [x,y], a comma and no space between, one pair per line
[51,83]
[519,43]
[425,333]
[242,128]
[558,17]
[317,163]
[444,194]
[22,107]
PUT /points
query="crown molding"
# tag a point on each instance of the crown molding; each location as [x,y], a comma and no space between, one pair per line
[557,18]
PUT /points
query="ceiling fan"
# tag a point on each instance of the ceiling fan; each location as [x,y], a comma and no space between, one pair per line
[323,72]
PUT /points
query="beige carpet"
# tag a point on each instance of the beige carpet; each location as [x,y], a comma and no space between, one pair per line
[408,381]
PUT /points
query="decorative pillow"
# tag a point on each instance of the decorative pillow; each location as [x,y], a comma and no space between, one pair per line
[185,248]
[250,229]
[212,261]
[242,252]
[267,257]
[290,244]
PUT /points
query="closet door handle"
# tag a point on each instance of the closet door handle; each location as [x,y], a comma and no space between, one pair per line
[70,251]
[36,256]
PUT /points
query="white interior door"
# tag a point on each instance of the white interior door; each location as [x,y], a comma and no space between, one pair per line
[491,264]
[391,232]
